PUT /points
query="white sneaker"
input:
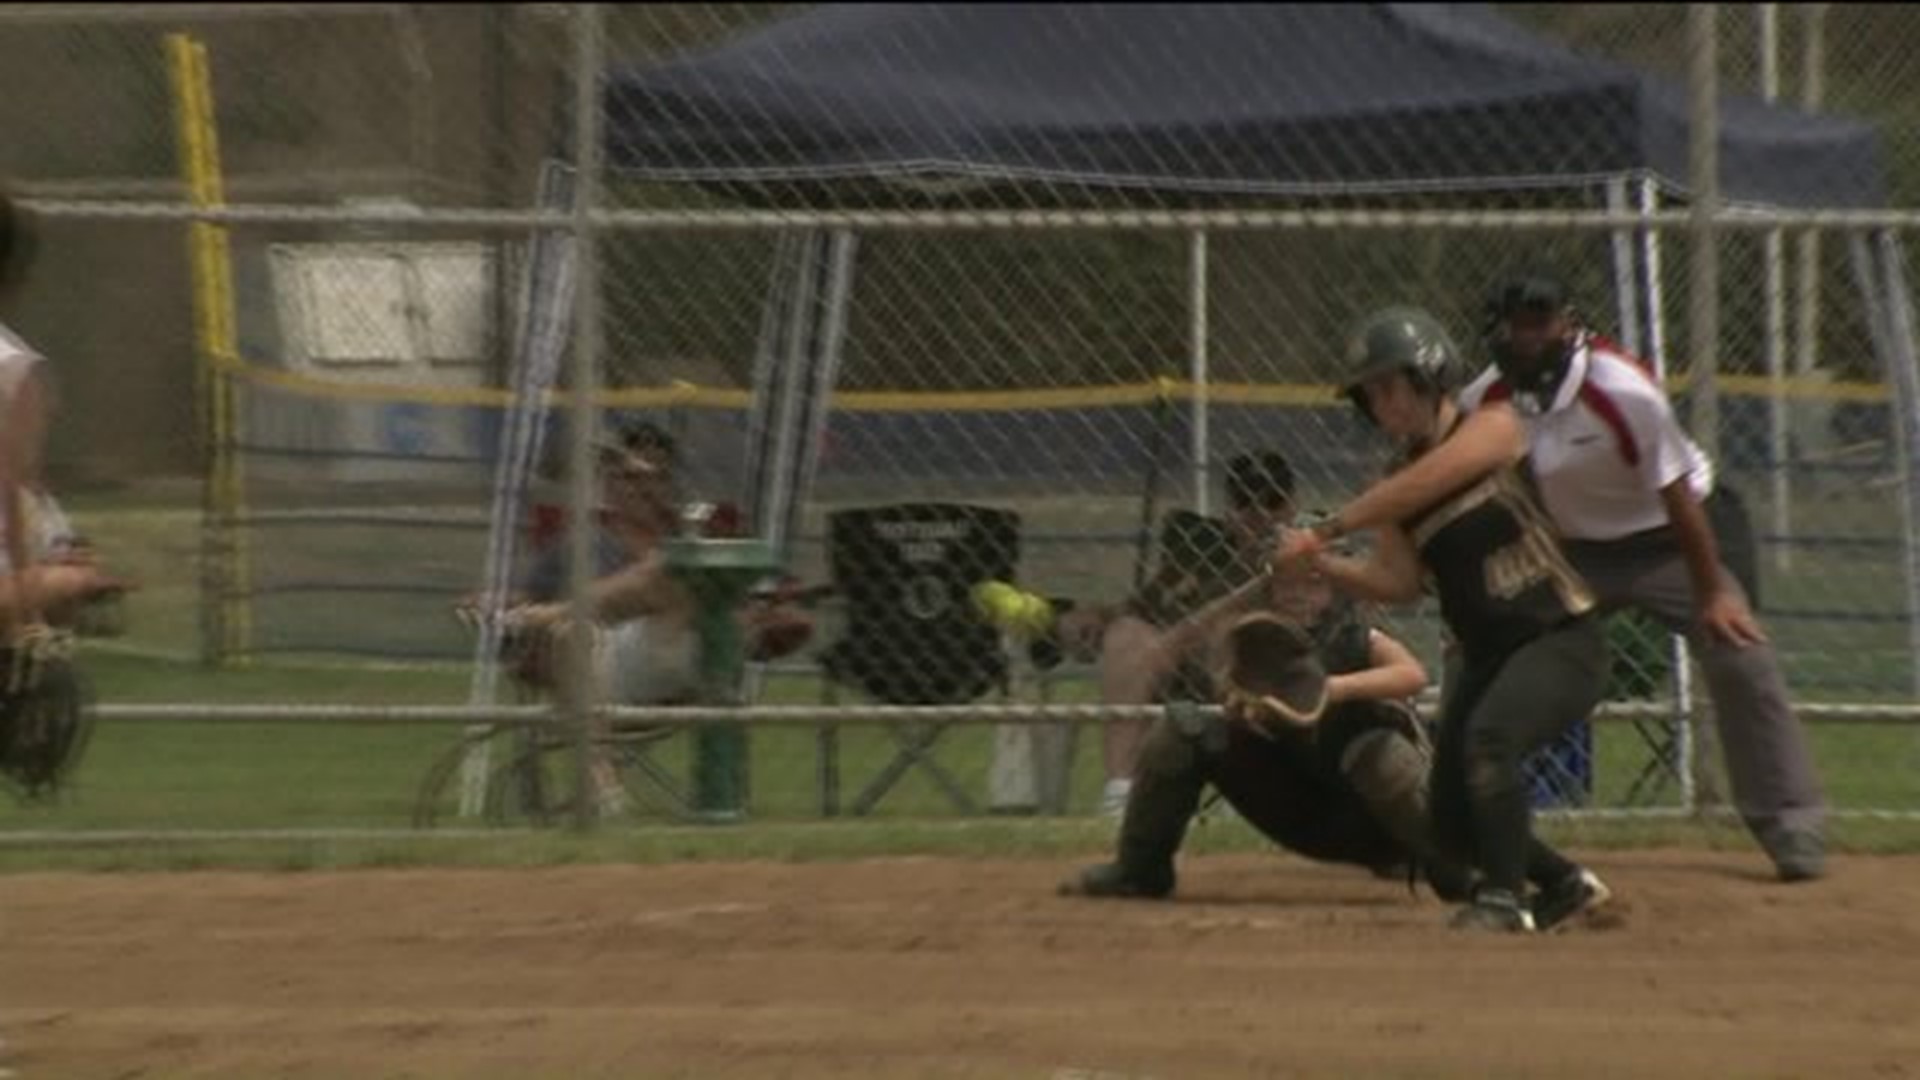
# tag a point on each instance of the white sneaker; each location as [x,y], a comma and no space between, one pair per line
[1113,800]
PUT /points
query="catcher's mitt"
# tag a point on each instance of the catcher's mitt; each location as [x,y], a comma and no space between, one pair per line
[45,712]
[1271,676]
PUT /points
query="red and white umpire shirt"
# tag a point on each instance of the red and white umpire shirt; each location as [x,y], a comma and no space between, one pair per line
[1606,444]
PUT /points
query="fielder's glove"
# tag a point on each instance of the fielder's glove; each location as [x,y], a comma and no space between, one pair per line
[36,648]
[1271,676]
[45,714]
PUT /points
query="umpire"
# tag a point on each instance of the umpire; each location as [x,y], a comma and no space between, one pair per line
[1636,501]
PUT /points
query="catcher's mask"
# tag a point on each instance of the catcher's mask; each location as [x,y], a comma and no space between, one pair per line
[1273,677]
[1530,328]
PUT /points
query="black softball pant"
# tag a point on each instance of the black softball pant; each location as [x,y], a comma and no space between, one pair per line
[1496,714]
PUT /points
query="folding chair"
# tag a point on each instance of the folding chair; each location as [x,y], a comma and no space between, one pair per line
[1642,661]
[1644,652]
[1560,774]
[531,776]
[1662,739]
[906,574]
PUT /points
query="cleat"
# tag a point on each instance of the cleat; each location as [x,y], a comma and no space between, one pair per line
[1109,881]
[1495,911]
[1579,892]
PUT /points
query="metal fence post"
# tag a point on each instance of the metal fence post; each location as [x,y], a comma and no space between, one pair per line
[589,49]
[1703,293]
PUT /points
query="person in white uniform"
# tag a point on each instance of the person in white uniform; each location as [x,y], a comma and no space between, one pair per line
[46,572]
[1638,506]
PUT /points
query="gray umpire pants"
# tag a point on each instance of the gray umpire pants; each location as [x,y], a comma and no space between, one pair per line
[1769,762]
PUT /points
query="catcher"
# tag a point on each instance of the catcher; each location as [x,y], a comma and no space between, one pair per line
[1319,747]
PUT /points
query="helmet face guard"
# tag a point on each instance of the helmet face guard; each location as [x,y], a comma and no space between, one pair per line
[1530,297]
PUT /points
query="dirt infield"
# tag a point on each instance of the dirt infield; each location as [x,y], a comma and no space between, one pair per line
[1267,966]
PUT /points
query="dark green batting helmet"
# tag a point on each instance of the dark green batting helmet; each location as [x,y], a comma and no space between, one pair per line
[1403,339]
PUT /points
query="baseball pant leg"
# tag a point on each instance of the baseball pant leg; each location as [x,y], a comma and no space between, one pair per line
[1166,793]
[1769,760]
[1537,693]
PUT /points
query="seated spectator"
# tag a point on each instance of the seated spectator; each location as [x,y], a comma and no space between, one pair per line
[649,652]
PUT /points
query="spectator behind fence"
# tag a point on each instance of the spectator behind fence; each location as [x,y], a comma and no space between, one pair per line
[649,654]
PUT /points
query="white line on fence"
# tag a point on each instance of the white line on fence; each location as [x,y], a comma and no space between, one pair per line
[1760,220]
[27,838]
[816,715]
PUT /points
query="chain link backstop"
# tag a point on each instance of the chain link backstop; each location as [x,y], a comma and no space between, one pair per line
[319,281]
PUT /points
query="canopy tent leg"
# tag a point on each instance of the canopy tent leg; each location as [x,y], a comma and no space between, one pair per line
[1197,352]
[1898,360]
[796,366]
[1626,284]
[802,331]
[542,331]
[1654,296]
[783,280]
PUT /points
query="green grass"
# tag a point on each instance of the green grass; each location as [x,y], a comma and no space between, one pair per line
[220,777]
[207,776]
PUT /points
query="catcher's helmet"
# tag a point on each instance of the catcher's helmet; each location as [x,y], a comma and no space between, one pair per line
[1403,339]
[1536,294]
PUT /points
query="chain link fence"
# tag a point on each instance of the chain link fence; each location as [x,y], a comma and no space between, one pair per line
[1029,276]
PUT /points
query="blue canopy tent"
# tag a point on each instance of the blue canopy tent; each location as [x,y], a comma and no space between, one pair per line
[1282,99]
